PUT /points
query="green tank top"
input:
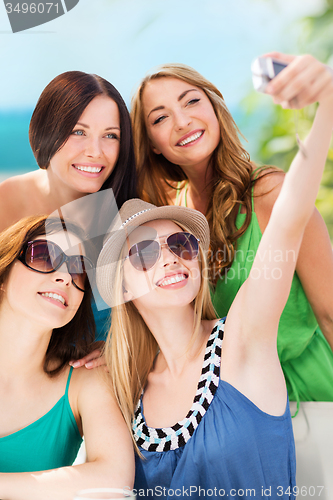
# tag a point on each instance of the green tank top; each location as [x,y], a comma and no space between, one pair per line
[50,442]
[305,355]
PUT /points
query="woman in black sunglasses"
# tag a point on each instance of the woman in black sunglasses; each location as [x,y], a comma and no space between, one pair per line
[206,400]
[45,321]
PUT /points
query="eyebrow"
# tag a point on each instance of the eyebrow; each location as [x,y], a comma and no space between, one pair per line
[182,95]
[87,126]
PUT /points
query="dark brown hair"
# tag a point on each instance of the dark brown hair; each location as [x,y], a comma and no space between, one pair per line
[71,341]
[58,109]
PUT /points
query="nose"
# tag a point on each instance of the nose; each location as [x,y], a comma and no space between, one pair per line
[182,120]
[167,256]
[93,147]
[62,275]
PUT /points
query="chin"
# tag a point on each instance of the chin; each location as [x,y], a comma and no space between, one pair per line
[89,189]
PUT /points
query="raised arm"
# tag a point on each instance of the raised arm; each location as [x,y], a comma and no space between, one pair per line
[252,364]
[110,456]
[314,265]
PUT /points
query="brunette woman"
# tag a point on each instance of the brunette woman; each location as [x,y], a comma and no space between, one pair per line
[80,134]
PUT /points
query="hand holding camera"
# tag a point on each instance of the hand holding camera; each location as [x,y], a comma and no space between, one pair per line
[293,81]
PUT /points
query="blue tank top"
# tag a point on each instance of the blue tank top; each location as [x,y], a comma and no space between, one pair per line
[51,441]
[225,446]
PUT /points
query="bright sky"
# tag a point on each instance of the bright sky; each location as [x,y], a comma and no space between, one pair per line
[122,39]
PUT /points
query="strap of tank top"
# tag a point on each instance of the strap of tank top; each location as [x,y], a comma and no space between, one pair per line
[68,380]
[179,190]
[178,193]
[185,194]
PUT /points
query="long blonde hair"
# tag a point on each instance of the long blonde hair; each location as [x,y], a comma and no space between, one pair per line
[231,165]
[131,348]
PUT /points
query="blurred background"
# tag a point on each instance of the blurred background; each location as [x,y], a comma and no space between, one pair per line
[121,40]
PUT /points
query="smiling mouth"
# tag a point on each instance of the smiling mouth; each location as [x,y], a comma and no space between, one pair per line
[54,296]
[171,280]
[92,170]
[192,138]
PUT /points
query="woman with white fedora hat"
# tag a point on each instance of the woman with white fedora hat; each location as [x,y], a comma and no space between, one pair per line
[206,399]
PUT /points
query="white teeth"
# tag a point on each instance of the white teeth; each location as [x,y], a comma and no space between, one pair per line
[175,279]
[192,138]
[93,170]
[54,296]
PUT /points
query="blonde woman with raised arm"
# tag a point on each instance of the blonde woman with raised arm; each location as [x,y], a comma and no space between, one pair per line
[206,399]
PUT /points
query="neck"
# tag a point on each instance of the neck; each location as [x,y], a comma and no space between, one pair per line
[22,346]
[55,192]
[173,331]
[200,186]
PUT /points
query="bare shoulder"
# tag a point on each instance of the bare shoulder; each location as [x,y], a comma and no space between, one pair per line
[209,325]
[268,184]
[15,189]
[86,381]
[19,181]
[89,387]
[17,197]
[266,190]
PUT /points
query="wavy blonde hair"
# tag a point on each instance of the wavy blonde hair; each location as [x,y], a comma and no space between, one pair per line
[131,348]
[231,165]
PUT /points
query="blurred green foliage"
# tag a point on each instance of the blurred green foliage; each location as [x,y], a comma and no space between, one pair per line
[277,144]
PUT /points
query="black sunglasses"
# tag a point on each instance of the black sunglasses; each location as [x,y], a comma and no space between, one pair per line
[46,257]
[144,255]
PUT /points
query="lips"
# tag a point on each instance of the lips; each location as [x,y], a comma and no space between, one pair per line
[56,296]
[89,168]
[172,279]
[190,138]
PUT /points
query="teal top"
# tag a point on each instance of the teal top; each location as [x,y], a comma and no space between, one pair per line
[102,316]
[50,442]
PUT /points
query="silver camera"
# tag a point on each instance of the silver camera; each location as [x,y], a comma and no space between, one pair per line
[264,69]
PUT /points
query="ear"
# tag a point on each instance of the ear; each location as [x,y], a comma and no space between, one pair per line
[155,150]
[128,295]
[152,147]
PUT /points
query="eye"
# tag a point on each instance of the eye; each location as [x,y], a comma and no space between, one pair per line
[112,135]
[159,119]
[78,132]
[193,101]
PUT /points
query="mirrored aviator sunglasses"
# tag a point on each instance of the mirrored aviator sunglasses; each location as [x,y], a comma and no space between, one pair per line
[46,257]
[144,255]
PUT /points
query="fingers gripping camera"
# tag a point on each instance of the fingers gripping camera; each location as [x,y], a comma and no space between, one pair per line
[264,69]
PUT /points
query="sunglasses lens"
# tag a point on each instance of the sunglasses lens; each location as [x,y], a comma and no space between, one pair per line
[143,255]
[184,245]
[46,257]
[43,256]
[78,266]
